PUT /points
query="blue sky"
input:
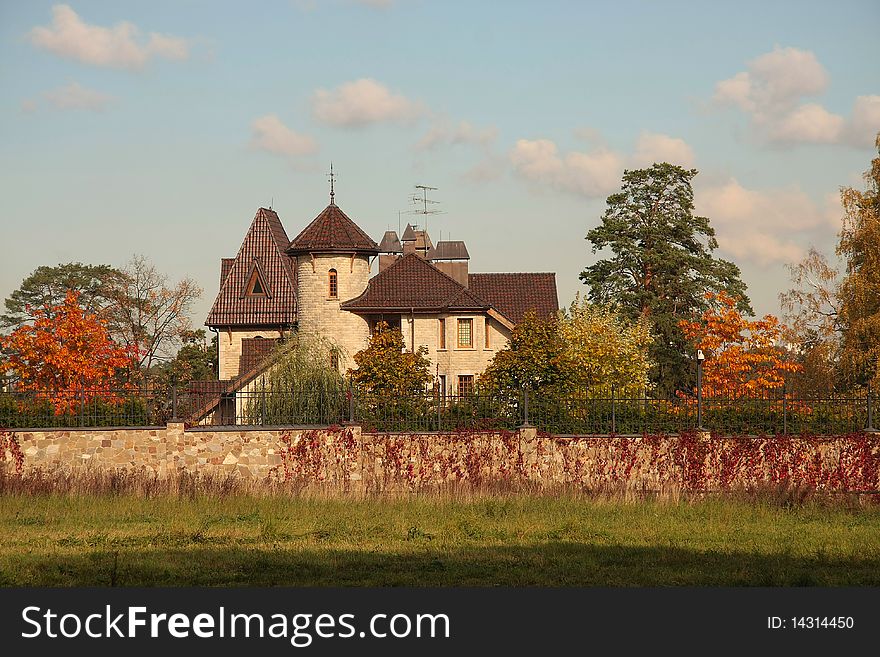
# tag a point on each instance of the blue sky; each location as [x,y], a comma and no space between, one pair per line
[159,127]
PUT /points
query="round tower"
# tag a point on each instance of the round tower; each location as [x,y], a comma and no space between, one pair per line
[332,266]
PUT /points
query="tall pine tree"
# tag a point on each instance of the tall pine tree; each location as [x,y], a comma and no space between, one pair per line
[659,264]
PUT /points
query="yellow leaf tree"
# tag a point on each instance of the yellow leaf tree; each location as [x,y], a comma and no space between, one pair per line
[604,351]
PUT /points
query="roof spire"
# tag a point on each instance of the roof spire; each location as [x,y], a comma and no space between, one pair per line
[332,191]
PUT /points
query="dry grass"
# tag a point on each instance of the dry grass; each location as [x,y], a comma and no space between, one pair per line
[134,529]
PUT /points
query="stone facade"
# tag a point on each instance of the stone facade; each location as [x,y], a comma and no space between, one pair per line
[230,348]
[318,313]
[454,361]
[349,461]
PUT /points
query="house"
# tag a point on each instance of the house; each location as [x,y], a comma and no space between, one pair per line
[320,281]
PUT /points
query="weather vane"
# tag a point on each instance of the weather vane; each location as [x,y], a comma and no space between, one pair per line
[331,180]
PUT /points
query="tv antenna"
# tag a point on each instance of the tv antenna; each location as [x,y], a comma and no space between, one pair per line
[420,197]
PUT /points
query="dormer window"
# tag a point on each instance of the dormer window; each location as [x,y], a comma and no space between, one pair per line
[255,287]
[332,285]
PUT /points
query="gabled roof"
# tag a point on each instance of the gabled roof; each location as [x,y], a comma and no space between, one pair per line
[412,283]
[390,243]
[263,249]
[514,294]
[332,231]
[449,250]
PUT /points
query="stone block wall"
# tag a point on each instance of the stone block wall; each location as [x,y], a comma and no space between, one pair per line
[346,460]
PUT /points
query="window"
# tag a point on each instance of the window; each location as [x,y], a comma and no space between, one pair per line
[334,288]
[442,329]
[255,286]
[465,333]
[465,385]
[488,344]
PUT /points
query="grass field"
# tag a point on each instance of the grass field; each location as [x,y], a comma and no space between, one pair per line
[128,540]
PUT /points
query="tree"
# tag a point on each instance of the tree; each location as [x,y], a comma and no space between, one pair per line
[604,351]
[303,385]
[47,287]
[742,356]
[67,356]
[535,357]
[660,263]
[148,316]
[385,367]
[812,317]
[859,246]
[196,360]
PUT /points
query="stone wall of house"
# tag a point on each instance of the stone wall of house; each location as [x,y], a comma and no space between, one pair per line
[230,349]
[318,313]
[346,460]
[454,360]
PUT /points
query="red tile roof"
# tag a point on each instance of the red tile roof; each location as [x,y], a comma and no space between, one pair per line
[514,294]
[413,283]
[263,248]
[333,231]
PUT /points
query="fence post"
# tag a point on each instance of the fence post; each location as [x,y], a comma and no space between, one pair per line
[350,401]
[699,391]
[437,399]
[613,412]
[784,413]
[870,426]
[526,406]
[263,401]
[174,398]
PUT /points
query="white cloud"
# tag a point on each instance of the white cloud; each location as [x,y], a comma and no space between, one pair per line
[29,106]
[772,91]
[376,4]
[362,102]
[652,147]
[763,227]
[116,47]
[75,96]
[833,212]
[444,133]
[271,135]
[592,174]
[864,125]
[808,123]
[597,172]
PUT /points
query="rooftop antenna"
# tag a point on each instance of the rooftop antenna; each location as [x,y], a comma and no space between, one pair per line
[420,197]
[271,202]
[331,179]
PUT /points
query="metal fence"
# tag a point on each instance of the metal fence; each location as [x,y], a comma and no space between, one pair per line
[86,407]
[575,412]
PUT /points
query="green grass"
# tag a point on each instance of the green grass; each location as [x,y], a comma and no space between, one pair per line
[517,541]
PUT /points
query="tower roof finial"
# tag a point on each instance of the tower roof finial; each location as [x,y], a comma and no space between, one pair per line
[332,190]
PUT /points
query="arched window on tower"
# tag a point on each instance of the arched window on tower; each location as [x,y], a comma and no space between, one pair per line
[332,285]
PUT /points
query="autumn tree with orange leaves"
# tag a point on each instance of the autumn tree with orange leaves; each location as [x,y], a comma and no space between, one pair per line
[66,356]
[742,357]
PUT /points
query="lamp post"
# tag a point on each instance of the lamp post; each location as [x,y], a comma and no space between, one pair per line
[700,358]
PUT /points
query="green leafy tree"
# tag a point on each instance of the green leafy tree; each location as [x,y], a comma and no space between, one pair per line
[386,368]
[859,247]
[535,358]
[196,360]
[301,384]
[659,263]
[47,287]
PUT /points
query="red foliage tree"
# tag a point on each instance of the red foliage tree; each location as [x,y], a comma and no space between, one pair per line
[66,356]
[742,356]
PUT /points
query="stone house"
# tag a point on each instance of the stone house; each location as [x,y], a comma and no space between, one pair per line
[320,281]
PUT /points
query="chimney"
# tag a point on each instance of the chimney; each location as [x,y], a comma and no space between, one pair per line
[451,257]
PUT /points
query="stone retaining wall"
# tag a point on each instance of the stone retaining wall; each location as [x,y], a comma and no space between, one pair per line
[346,459]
